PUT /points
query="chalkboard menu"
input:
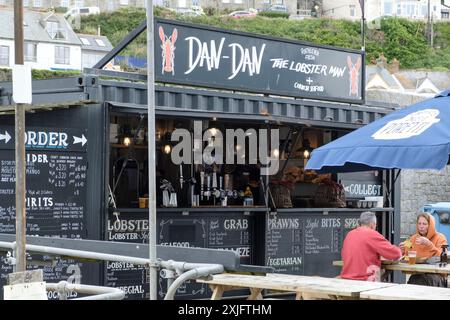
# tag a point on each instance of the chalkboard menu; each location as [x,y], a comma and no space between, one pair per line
[306,243]
[56,173]
[132,279]
[228,231]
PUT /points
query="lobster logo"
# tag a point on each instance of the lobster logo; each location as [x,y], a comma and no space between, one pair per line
[168,50]
[353,72]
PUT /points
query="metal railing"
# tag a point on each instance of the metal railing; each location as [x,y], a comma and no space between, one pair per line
[175,272]
[64,288]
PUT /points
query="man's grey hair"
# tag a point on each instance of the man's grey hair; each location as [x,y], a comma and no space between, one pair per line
[367,218]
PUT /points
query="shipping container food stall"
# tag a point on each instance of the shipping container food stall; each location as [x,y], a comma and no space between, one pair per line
[216,86]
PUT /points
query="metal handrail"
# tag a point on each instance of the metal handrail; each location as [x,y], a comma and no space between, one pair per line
[185,271]
[97,292]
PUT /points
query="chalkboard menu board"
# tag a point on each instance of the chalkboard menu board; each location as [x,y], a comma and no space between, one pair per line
[132,279]
[56,173]
[306,243]
[229,231]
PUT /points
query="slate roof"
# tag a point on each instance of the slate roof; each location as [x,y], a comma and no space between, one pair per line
[34,27]
[93,45]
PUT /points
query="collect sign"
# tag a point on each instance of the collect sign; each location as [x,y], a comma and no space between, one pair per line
[211,57]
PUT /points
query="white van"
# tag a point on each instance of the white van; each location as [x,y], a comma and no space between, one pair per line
[81,11]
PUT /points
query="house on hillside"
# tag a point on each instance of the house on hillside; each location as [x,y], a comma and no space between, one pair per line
[49,41]
[386,83]
[93,48]
[374,9]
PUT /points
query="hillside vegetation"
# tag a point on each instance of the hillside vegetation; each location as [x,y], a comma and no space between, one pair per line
[396,38]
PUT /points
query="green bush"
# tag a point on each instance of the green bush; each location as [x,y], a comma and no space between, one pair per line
[61,9]
[6,74]
[270,14]
[397,38]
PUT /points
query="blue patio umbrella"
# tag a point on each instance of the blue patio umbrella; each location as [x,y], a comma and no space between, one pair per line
[417,137]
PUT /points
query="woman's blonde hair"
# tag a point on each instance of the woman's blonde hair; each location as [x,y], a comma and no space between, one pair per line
[423,215]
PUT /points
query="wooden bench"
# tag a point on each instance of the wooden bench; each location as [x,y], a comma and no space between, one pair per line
[305,287]
[407,292]
[409,269]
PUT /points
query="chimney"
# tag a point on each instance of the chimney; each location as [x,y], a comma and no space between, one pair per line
[394,67]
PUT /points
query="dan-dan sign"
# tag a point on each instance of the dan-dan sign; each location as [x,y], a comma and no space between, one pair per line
[211,57]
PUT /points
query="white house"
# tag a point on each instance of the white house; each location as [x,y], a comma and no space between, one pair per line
[49,41]
[93,48]
[411,9]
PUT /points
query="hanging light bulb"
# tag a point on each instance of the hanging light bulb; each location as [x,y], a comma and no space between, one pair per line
[305,150]
[213,131]
[126,141]
[306,154]
[276,153]
[167,149]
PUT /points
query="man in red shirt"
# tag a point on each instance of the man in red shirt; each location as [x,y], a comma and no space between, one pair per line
[363,248]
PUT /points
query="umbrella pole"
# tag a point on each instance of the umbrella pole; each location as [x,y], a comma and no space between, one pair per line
[389,188]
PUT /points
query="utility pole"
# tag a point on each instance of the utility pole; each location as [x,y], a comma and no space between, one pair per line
[20,148]
[151,151]
[429,25]
[363,38]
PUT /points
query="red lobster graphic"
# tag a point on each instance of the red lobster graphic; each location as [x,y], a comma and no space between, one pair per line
[353,71]
[168,50]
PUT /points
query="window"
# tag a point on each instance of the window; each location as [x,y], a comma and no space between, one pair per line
[52,28]
[4,56]
[62,55]
[424,11]
[111,5]
[100,42]
[65,3]
[123,2]
[89,60]
[352,10]
[409,9]
[445,15]
[37,3]
[387,8]
[79,3]
[85,41]
[30,51]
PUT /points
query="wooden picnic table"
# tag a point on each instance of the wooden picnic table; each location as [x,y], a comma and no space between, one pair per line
[407,292]
[304,286]
[408,268]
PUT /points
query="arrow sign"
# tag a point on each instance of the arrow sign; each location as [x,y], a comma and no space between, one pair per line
[5,136]
[81,140]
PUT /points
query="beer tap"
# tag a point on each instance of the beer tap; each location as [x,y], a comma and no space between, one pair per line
[222,193]
[202,181]
[192,181]
[208,187]
[181,177]
[215,190]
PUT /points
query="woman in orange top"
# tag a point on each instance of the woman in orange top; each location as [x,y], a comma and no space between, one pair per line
[427,243]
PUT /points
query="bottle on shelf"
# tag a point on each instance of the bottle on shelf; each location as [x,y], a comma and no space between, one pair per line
[248,197]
